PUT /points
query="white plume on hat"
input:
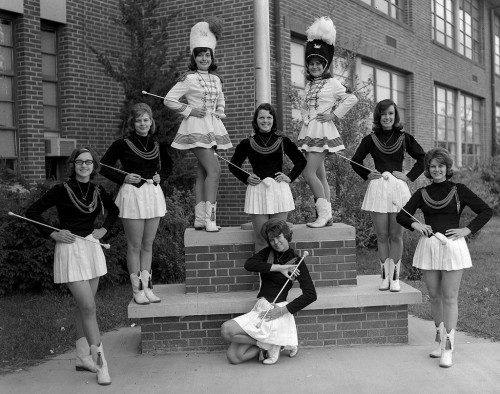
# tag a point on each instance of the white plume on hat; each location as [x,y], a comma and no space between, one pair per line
[205,34]
[322,29]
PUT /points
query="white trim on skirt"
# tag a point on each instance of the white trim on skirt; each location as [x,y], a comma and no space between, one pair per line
[381,193]
[281,331]
[80,260]
[430,254]
[269,197]
[145,202]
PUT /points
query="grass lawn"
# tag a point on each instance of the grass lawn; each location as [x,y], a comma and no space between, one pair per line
[34,327]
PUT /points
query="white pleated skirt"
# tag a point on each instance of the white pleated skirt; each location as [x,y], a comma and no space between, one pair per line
[381,194]
[430,254]
[320,137]
[269,197]
[206,132]
[145,202]
[80,260]
[281,331]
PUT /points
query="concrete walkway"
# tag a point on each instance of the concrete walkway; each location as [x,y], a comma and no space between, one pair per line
[368,369]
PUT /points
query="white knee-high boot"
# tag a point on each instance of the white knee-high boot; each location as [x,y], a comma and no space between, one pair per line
[447,347]
[211,211]
[324,210]
[147,285]
[84,361]
[394,269]
[385,274]
[139,295]
[436,353]
[200,214]
[101,364]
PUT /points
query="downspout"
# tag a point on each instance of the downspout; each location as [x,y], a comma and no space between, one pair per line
[278,64]
[262,52]
[494,148]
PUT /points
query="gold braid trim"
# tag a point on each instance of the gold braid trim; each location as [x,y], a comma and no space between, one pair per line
[442,203]
[96,198]
[145,155]
[388,150]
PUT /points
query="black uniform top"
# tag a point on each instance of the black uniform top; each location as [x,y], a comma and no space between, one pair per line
[132,163]
[273,282]
[389,162]
[70,217]
[443,219]
[267,165]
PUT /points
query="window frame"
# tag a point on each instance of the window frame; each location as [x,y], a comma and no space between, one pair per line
[48,79]
[392,7]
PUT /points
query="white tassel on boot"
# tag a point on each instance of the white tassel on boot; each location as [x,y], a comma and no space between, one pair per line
[385,274]
[324,210]
[147,285]
[394,270]
[103,377]
[211,210]
[84,361]
[447,347]
[199,216]
[273,355]
[436,353]
[139,296]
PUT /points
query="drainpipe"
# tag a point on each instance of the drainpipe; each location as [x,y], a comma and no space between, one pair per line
[494,148]
[262,52]
[279,66]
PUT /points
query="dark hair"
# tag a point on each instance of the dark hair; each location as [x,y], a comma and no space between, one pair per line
[377,114]
[326,72]
[70,163]
[274,227]
[137,110]
[272,112]
[192,62]
[442,156]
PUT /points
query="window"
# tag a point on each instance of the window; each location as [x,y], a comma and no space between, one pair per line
[458,125]
[393,8]
[49,76]
[497,128]
[497,44]
[387,84]
[7,108]
[456,24]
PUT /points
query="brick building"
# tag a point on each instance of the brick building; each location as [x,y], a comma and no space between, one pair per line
[438,59]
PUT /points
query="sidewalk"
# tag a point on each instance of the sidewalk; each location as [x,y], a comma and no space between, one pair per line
[369,369]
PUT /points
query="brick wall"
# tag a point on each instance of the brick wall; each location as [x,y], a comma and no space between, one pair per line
[316,328]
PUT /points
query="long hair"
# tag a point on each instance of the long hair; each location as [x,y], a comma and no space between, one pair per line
[272,112]
[137,110]
[377,115]
[70,163]
[192,63]
[442,156]
[273,228]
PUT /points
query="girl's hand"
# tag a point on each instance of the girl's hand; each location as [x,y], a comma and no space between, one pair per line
[64,236]
[456,233]
[156,178]
[287,269]
[374,175]
[280,177]
[198,112]
[322,118]
[132,178]
[274,313]
[253,180]
[423,229]
[220,114]
[400,175]
[98,233]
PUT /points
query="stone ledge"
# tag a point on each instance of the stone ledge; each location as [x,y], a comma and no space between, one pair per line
[176,303]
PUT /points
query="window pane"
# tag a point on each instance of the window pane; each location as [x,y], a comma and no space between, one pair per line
[383,78]
[49,68]
[6,60]
[297,53]
[6,89]
[298,78]
[7,143]
[48,42]
[6,114]
[50,117]
[382,5]
[6,27]
[49,93]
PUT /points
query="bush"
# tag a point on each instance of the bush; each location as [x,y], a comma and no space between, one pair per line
[26,258]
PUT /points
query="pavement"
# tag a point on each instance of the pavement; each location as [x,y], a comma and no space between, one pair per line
[352,369]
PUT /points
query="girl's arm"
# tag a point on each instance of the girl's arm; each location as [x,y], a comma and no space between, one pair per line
[340,93]
[166,161]
[298,159]
[111,209]
[220,104]
[360,154]
[415,151]
[308,295]
[239,157]
[48,200]
[411,206]
[172,98]
[480,208]
[110,158]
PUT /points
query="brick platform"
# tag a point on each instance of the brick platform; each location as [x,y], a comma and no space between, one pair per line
[350,310]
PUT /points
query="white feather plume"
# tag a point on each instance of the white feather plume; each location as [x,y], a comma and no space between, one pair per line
[322,29]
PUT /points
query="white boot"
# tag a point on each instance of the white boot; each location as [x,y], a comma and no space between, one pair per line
[436,353]
[199,216]
[101,364]
[273,355]
[139,296]
[394,270]
[84,361]
[211,210]
[385,274]
[147,285]
[324,210]
[447,346]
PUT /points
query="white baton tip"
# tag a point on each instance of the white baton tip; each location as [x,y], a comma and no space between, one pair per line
[305,254]
[144,92]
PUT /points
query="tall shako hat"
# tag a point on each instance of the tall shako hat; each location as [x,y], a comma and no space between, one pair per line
[321,37]
[205,34]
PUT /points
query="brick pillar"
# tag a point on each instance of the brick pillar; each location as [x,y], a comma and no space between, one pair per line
[29,93]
